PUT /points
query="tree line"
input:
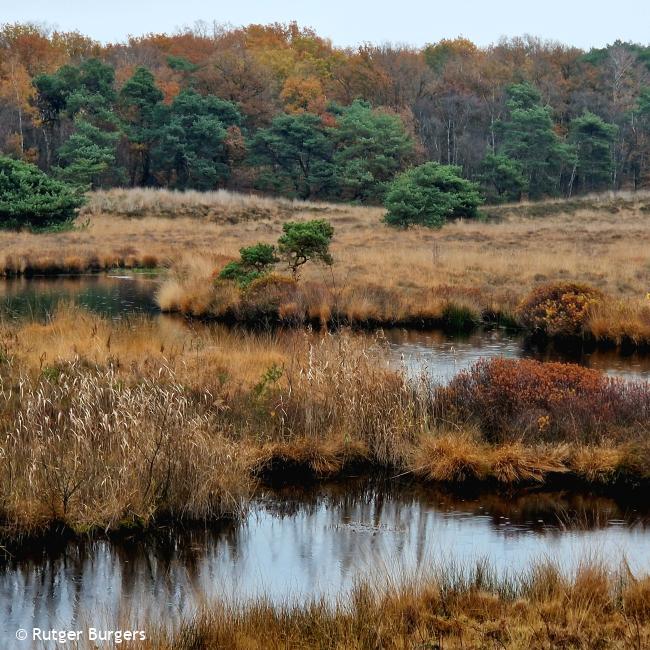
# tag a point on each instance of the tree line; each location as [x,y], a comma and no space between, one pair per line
[278,108]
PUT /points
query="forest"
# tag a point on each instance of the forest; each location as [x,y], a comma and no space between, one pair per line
[278,109]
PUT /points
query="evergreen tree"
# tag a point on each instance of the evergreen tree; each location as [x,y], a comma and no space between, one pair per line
[28,197]
[191,149]
[297,151]
[87,156]
[593,139]
[139,102]
[529,138]
[372,146]
[429,195]
[502,178]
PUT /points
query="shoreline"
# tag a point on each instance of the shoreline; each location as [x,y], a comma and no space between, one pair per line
[302,477]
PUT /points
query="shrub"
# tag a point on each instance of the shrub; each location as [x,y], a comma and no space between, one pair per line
[558,309]
[272,297]
[544,401]
[429,195]
[255,262]
[305,241]
[28,197]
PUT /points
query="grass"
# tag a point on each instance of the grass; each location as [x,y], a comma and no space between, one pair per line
[220,206]
[462,274]
[453,608]
[109,424]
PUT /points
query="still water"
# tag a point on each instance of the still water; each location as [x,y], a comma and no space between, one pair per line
[113,296]
[296,544]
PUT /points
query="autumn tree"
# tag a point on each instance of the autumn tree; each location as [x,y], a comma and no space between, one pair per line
[17,90]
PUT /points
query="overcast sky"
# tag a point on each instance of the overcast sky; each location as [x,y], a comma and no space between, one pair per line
[584,23]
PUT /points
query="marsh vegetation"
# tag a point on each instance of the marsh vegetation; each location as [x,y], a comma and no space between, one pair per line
[444,188]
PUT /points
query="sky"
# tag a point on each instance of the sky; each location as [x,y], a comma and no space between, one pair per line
[584,23]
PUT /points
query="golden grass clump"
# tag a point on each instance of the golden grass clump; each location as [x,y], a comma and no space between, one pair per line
[88,450]
[514,463]
[453,608]
[624,321]
[450,458]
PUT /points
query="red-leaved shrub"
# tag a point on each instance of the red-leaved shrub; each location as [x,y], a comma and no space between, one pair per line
[523,398]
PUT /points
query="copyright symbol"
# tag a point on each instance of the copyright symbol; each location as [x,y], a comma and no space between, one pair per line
[21,635]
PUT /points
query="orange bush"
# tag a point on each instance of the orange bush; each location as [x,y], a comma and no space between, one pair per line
[558,309]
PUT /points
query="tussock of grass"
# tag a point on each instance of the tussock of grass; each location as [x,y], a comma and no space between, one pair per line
[621,321]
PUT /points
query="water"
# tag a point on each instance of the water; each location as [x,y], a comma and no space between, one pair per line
[440,355]
[109,295]
[297,544]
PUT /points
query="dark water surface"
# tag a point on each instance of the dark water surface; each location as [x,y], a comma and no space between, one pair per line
[109,295]
[297,544]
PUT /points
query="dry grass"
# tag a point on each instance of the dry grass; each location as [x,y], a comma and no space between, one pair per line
[218,206]
[621,321]
[453,609]
[380,274]
[84,449]
[105,424]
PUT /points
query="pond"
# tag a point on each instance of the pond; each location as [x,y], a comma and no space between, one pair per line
[297,543]
[439,354]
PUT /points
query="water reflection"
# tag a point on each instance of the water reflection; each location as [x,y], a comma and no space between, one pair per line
[441,356]
[110,295]
[296,543]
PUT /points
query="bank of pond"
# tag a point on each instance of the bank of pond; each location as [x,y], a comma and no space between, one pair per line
[441,352]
